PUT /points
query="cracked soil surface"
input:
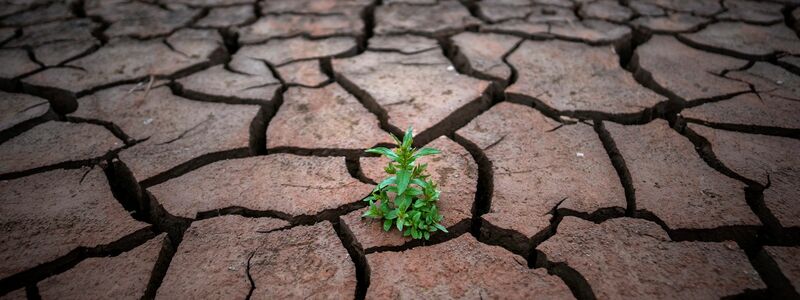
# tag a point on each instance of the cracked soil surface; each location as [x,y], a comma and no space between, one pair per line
[592,149]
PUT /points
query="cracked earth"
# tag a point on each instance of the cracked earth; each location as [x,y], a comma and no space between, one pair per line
[215,148]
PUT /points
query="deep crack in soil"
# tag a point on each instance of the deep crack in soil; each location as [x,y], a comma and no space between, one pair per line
[475,40]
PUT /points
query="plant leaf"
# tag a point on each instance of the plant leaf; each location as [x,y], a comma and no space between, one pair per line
[384,151]
[403,202]
[413,191]
[391,215]
[440,227]
[385,182]
[387,224]
[421,183]
[403,177]
[408,138]
[425,151]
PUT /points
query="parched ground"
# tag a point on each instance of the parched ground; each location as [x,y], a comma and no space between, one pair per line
[191,149]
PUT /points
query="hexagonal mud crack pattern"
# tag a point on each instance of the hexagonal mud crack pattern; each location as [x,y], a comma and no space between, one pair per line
[598,251]
[33,149]
[572,81]
[52,214]
[285,184]
[222,246]
[469,262]
[123,276]
[326,117]
[420,90]
[539,166]
[216,148]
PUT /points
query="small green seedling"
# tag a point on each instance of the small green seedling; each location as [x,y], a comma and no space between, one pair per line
[406,199]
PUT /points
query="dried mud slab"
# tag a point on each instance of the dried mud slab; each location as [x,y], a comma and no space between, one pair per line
[327,117]
[747,110]
[39,34]
[286,184]
[775,103]
[422,90]
[212,3]
[674,183]
[125,59]
[124,276]
[289,25]
[305,73]
[605,10]
[646,9]
[418,2]
[228,16]
[54,143]
[770,81]
[404,43]
[220,83]
[796,16]
[56,42]
[18,109]
[314,6]
[307,262]
[563,76]
[472,270]
[505,14]
[752,12]
[765,159]
[482,53]
[173,130]
[678,69]
[592,32]
[41,14]
[19,294]
[247,253]
[539,22]
[445,17]
[634,259]
[142,20]
[58,53]
[746,40]
[10,8]
[282,51]
[785,259]
[50,214]
[456,175]
[790,61]
[565,168]
[212,259]
[16,63]
[495,13]
[679,22]
[702,7]
[7,34]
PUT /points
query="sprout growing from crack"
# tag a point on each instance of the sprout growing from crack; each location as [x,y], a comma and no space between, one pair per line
[407,198]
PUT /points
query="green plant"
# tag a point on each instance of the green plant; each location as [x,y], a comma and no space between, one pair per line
[406,199]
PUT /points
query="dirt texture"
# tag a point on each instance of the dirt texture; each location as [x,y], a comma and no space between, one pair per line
[590,149]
